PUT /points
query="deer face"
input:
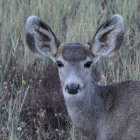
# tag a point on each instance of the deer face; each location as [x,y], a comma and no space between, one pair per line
[74,60]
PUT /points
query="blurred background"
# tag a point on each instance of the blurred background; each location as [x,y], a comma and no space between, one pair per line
[31,102]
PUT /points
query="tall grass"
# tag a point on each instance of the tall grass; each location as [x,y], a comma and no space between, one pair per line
[71,20]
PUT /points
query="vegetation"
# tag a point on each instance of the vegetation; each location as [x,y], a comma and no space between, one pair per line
[31,103]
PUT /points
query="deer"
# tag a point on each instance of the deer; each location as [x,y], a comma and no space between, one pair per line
[100,112]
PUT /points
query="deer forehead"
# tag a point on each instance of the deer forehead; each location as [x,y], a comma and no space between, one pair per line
[74,52]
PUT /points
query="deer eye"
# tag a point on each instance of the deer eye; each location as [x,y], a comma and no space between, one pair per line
[87,64]
[59,64]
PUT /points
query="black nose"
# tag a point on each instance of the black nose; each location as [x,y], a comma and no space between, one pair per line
[72,88]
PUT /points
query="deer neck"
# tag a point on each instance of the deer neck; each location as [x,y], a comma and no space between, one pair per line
[86,110]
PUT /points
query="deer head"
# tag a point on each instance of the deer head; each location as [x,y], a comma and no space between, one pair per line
[74,60]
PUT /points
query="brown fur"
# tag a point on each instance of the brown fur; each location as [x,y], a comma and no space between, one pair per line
[74,52]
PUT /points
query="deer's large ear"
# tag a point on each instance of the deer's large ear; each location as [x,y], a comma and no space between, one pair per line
[40,38]
[108,37]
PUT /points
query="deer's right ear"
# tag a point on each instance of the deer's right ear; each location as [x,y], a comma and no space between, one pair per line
[108,38]
[40,38]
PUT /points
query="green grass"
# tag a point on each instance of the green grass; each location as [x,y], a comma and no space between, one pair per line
[71,20]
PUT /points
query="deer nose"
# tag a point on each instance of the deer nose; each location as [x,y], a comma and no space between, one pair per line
[73,88]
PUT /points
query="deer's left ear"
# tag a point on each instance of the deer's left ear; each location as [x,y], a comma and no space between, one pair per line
[40,38]
[108,37]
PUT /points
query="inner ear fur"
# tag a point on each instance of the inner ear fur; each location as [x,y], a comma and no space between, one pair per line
[40,38]
[109,37]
